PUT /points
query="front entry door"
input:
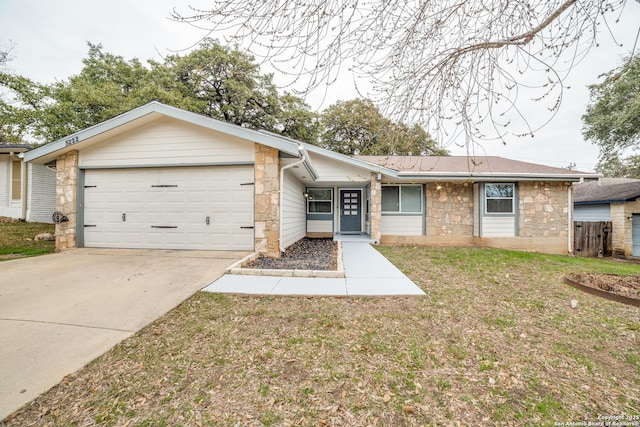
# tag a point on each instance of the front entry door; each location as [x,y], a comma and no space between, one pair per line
[350,211]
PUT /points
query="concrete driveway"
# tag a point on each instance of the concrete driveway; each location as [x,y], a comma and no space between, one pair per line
[58,312]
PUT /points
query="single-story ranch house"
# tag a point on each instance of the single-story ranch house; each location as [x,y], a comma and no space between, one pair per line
[164,178]
[27,191]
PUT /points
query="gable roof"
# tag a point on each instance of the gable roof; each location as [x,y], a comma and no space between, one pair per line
[482,168]
[148,112]
[333,155]
[606,190]
[478,167]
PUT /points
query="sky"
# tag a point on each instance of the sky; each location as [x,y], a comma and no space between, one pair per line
[49,40]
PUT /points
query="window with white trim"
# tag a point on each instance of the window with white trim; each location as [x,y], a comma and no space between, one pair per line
[16,180]
[499,198]
[402,199]
[320,200]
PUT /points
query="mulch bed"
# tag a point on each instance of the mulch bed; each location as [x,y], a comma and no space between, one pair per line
[305,254]
[627,288]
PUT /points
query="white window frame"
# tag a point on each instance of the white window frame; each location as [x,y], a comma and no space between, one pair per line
[512,198]
[309,201]
[400,211]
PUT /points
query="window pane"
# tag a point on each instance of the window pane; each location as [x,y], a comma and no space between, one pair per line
[390,199]
[319,193]
[411,198]
[319,207]
[500,205]
[16,180]
[499,190]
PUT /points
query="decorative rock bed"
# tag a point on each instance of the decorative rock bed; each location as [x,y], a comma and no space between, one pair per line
[305,258]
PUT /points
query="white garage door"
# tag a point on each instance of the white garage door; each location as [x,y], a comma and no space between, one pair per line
[205,208]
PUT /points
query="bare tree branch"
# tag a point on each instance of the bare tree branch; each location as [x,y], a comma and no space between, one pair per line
[455,66]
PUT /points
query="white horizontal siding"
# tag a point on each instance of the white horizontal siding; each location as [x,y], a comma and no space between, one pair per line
[323,226]
[498,226]
[168,142]
[8,208]
[5,183]
[594,213]
[401,225]
[330,170]
[41,193]
[293,210]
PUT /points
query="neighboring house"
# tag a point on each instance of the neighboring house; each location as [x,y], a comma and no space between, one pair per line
[616,200]
[164,178]
[27,191]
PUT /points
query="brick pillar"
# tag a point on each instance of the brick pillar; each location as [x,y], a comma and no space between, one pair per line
[66,201]
[376,207]
[267,201]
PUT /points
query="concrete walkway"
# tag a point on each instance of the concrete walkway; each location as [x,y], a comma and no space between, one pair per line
[367,273]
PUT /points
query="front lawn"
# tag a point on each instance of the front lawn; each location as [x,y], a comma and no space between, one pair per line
[17,239]
[495,342]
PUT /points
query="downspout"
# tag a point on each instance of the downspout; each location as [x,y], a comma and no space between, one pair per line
[570,220]
[303,158]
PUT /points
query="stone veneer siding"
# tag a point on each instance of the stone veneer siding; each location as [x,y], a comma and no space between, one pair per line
[543,209]
[267,200]
[449,209]
[622,227]
[66,202]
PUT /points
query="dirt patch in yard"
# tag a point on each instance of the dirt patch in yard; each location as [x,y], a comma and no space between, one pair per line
[6,219]
[305,254]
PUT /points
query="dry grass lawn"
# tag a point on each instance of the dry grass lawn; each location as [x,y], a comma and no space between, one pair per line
[494,342]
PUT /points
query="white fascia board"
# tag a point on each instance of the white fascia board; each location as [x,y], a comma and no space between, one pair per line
[332,155]
[349,160]
[173,112]
[484,177]
[308,164]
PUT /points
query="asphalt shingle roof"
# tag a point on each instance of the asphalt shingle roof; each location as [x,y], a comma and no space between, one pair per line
[463,164]
[607,190]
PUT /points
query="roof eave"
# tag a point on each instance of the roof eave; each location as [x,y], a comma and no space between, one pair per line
[603,201]
[173,112]
[349,160]
[465,176]
[593,202]
[14,148]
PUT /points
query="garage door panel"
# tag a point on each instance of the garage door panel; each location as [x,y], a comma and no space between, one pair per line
[175,197]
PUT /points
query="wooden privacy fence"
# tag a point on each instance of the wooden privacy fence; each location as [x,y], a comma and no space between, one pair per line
[592,239]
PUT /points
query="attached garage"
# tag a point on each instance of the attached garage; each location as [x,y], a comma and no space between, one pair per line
[201,208]
[158,177]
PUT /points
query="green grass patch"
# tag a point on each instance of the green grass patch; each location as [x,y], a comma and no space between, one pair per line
[17,240]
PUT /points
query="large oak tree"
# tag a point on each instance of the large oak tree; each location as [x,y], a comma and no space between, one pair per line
[612,119]
[357,127]
[212,80]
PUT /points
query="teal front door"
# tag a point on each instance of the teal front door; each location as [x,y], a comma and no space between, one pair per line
[350,211]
